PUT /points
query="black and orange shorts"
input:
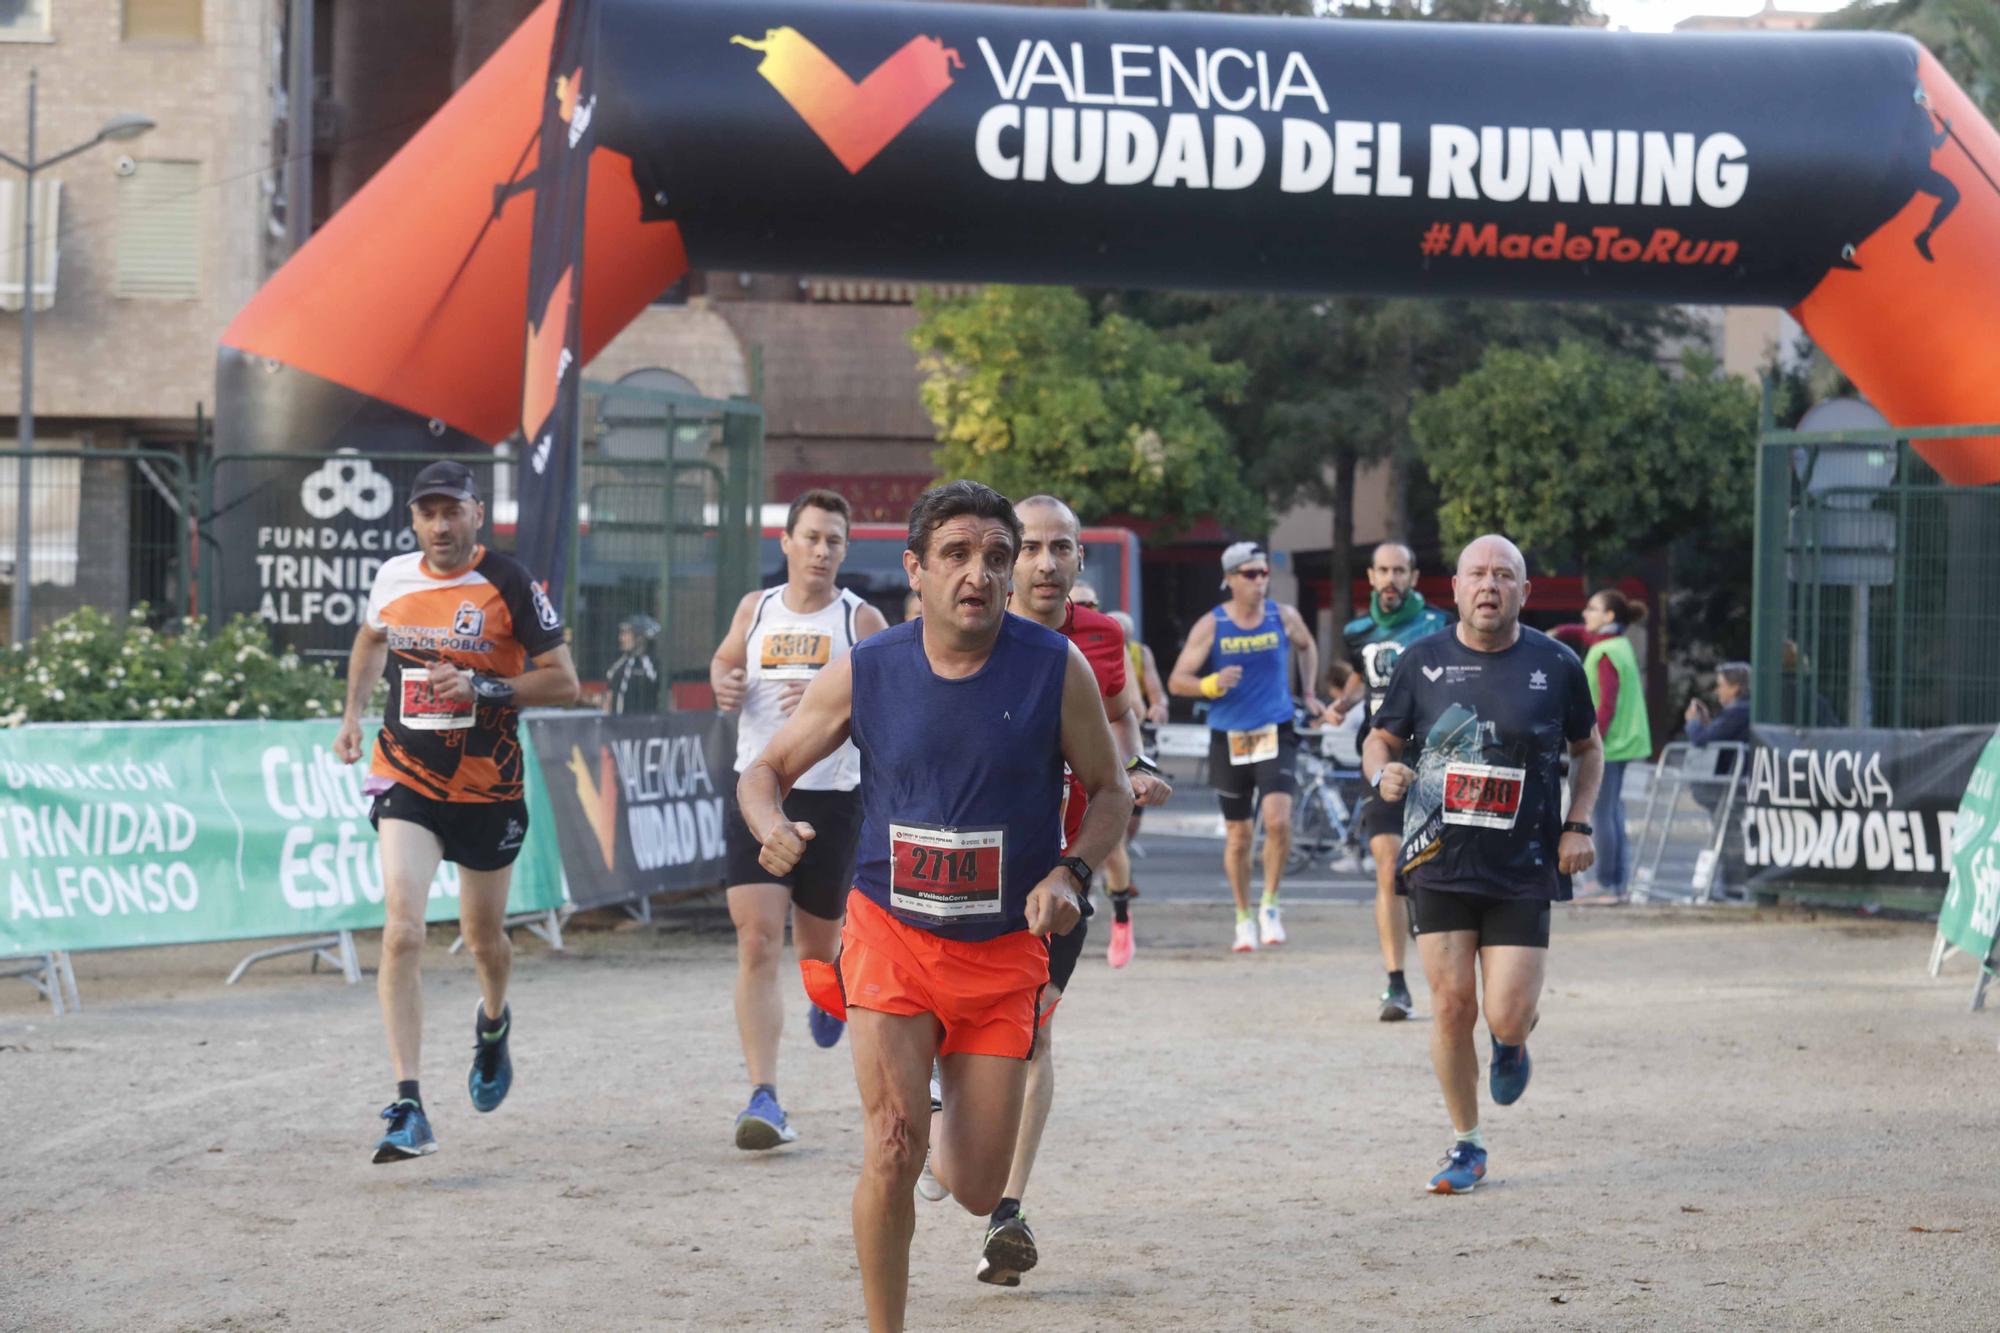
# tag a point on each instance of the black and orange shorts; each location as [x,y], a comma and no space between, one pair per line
[985,993]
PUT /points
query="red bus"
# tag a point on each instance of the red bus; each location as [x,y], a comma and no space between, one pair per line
[874,565]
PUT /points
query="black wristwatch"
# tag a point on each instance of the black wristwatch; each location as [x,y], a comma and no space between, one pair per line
[491,690]
[1578,826]
[1140,763]
[1077,866]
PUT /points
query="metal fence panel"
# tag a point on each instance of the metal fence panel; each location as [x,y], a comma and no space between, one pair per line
[107,528]
[1876,604]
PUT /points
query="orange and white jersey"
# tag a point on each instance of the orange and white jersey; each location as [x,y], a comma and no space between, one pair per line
[490,617]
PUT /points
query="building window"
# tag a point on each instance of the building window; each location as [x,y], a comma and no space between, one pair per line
[159,231]
[161,20]
[24,20]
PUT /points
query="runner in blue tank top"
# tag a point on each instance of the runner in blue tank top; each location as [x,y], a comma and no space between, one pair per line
[1240,658]
[964,719]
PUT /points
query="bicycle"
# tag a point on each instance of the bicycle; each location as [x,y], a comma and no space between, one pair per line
[1322,821]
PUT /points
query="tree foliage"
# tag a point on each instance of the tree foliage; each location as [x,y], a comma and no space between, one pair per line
[1032,391]
[1963,34]
[1585,456]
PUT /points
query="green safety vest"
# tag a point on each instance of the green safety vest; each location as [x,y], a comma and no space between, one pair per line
[1631,735]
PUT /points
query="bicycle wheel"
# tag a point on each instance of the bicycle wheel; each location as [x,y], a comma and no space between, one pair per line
[1312,829]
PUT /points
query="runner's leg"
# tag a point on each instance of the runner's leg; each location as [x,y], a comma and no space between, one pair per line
[758,911]
[982,1120]
[1277,815]
[1513,975]
[1039,1096]
[410,857]
[1392,915]
[482,920]
[814,936]
[1449,966]
[892,1066]
[1237,836]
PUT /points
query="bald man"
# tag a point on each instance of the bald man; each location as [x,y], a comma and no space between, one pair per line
[1472,732]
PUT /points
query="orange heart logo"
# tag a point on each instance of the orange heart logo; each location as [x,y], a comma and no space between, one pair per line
[855,120]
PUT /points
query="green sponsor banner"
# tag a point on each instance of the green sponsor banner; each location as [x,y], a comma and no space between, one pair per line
[1970,918]
[126,834]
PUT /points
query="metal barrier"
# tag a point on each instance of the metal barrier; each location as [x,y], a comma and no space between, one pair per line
[1686,832]
[108,528]
[1877,595]
[52,977]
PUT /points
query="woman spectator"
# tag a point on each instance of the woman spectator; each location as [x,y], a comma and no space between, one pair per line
[1618,688]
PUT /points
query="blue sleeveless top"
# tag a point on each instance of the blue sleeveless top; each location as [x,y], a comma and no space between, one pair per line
[961,780]
[1264,695]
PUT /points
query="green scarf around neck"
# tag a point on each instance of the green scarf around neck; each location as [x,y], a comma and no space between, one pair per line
[1412,607]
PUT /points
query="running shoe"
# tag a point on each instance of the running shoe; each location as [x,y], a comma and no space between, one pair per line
[1270,929]
[1464,1167]
[826,1029]
[1508,1076]
[409,1133]
[1246,937]
[1396,1004]
[1009,1252]
[762,1124]
[492,1068]
[1120,952]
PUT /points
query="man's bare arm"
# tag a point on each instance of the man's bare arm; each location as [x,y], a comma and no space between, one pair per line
[365,663]
[728,668]
[1092,755]
[815,730]
[1305,651]
[1185,679]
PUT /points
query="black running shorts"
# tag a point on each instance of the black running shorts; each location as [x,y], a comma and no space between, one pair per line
[820,881]
[1241,788]
[1523,922]
[1380,819]
[477,835]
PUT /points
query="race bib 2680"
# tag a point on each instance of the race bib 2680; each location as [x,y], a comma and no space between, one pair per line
[946,874]
[1482,795]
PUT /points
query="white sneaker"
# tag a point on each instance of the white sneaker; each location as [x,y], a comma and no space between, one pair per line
[1246,937]
[1269,928]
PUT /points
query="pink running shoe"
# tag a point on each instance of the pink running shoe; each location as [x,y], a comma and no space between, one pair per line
[1120,952]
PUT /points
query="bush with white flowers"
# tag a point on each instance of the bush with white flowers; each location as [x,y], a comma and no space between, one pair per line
[88,667]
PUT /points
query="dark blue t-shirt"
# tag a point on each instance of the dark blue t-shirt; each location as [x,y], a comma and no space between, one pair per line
[1486,733]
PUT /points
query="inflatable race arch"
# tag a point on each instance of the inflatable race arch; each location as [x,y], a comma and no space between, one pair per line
[1842,176]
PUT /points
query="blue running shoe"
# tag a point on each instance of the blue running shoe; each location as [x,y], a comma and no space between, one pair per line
[409,1133]
[826,1029]
[1464,1168]
[1508,1075]
[492,1068]
[762,1124]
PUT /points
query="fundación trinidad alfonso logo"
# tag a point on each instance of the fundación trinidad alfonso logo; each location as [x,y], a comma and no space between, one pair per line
[855,120]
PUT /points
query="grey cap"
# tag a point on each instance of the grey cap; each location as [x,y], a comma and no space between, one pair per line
[1238,555]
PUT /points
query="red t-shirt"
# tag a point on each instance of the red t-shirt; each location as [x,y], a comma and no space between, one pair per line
[1103,644]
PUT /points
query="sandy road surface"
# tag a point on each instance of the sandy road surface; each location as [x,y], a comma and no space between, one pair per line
[1734,1123]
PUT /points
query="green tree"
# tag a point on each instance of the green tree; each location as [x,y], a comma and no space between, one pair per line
[1963,34]
[1586,456]
[1032,391]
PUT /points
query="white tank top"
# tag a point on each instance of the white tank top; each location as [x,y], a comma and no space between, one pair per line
[783,646]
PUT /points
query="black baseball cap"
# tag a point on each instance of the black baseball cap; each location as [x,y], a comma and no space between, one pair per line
[452,480]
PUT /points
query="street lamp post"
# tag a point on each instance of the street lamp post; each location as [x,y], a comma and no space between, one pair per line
[118,127]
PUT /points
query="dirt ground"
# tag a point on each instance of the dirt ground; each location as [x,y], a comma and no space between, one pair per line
[1735,1122]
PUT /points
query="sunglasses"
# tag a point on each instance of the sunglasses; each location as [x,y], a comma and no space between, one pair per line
[1254,573]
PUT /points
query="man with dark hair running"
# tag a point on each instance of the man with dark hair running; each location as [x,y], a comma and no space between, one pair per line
[1045,576]
[470,638]
[780,640]
[964,719]
[1491,708]
[1397,618]
[1239,658]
